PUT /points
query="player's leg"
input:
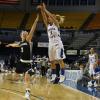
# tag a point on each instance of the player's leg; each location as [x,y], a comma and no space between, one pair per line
[60,56]
[57,74]
[62,68]
[18,70]
[53,71]
[57,70]
[94,81]
[27,78]
[52,62]
[15,76]
[92,72]
[27,83]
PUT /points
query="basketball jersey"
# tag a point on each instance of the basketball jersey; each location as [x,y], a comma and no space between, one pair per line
[53,34]
[25,53]
[92,58]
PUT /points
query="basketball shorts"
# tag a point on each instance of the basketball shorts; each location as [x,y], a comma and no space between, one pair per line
[56,53]
[91,70]
[22,67]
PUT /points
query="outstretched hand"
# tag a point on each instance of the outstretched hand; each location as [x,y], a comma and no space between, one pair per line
[39,7]
[8,45]
[43,5]
[37,18]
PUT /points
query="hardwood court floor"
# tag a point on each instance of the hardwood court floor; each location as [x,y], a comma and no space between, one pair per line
[41,89]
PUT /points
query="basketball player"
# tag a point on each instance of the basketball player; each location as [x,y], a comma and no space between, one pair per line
[93,63]
[56,49]
[24,64]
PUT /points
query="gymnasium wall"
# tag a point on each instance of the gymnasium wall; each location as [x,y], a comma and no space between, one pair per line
[27,6]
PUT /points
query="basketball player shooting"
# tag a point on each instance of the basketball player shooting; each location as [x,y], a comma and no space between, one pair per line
[56,49]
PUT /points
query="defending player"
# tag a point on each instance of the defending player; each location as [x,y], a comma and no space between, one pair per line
[24,64]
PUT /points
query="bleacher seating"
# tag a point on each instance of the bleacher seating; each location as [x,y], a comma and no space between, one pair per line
[1,16]
[9,2]
[11,19]
[31,20]
[80,40]
[95,43]
[95,22]
[74,20]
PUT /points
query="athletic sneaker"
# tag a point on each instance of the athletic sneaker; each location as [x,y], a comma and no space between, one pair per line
[62,78]
[56,81]
[27,95]
[90,84]
[53,77]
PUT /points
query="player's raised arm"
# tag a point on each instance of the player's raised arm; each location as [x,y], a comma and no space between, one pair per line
[13,45]
[49,14]
[31,33]
[43,15]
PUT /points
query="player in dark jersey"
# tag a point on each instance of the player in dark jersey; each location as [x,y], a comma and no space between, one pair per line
[24,65]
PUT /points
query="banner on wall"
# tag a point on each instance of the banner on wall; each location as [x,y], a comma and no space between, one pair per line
[84,52]
[73,75]
[71,52]
[43,44]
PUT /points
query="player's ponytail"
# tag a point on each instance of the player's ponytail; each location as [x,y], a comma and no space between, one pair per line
[60,19]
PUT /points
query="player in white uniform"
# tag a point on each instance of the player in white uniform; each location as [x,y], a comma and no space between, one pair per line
[56,49]
[55,43]
[93,63]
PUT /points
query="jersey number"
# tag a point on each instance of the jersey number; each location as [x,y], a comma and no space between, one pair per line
[51,34]
[22,50]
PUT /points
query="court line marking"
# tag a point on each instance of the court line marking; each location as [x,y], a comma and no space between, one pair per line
[37,97]
[65,86]
[11,92]
[68,87]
